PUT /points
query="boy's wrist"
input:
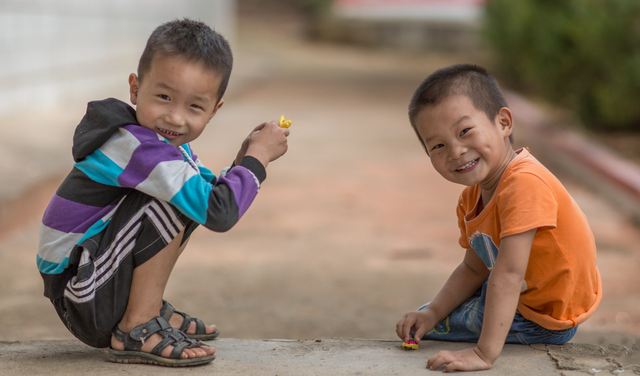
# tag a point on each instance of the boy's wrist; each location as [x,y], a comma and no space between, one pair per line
[488,352]
[483,356]
[430,316]
[259,154]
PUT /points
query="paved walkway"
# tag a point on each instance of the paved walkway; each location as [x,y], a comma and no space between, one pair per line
[322,356]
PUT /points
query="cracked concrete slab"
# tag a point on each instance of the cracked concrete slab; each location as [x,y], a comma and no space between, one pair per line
[579,359]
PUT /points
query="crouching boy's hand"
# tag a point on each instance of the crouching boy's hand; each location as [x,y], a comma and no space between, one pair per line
[267,142]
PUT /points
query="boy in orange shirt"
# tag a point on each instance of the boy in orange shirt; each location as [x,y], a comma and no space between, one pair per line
[529,273]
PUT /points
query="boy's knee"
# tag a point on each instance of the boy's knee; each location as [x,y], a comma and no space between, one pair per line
[98,340]
[92,329]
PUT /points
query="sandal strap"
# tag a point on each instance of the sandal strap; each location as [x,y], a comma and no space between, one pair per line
[119,334]
[186,322]
[178,340]
[168,310]
[135,339]
[200,328]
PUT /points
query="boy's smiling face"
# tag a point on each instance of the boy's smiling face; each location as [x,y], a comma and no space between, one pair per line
[464,145]
[176,98]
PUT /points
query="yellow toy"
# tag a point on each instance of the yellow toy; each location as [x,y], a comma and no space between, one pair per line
[284,123]
[410,345]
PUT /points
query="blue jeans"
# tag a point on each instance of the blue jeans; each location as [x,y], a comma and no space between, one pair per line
[465,323]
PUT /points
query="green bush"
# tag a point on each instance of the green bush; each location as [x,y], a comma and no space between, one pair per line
[583,54]
[314,7]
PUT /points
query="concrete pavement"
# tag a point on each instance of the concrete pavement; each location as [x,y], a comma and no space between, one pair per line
[322,356]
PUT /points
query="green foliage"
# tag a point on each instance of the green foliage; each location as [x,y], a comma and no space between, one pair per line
[315,7]
[584,54]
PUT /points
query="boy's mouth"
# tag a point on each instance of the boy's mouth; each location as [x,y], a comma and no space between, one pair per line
[169,134]
[468,165]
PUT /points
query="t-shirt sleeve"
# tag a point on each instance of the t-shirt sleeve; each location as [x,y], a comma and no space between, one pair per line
[525,203]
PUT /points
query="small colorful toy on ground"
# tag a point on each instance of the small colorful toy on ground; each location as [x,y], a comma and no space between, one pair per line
[410,345]
[284,123]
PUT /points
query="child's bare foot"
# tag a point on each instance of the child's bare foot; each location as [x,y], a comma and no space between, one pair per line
[149,344]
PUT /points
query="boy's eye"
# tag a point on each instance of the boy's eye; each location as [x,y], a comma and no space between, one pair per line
[163,96]
[196,107]
[464,131]
[437,147]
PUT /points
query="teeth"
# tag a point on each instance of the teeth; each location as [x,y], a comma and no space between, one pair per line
[170,133]
[470,164]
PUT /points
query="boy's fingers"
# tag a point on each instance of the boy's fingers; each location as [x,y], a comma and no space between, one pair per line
[399,327]
[454,366]
[417,336]
[276,126]
[259,127]
[432,360]
[409,322]
[437,360]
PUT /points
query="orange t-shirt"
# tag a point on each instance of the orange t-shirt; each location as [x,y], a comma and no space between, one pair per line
[562,286]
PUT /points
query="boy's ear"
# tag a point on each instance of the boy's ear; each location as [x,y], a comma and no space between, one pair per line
[134,86]
[215,110]
[505,121]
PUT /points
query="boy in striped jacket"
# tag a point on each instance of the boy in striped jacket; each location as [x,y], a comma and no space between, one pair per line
[117,224]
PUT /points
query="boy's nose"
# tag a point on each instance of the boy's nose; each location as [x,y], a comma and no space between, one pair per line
[175,117]
[456,151]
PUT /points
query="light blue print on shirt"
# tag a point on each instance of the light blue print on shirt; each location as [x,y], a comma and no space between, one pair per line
[485,248]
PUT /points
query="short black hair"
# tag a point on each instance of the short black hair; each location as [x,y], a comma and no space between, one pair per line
[460,79]
[193,40]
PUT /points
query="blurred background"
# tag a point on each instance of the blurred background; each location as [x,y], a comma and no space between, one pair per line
[352,227]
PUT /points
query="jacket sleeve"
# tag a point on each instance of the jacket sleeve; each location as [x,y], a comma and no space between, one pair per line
[205,172]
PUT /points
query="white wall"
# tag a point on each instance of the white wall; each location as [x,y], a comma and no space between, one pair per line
[52,51]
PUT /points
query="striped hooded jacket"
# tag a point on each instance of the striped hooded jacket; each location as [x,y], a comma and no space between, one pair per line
[113,155]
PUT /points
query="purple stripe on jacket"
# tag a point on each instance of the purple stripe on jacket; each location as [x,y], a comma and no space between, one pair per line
[244,186]
[141,133]
[146,157]
[72,217]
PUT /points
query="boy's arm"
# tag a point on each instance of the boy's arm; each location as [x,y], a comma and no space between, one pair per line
[136,158]
[461,285]
[503,292]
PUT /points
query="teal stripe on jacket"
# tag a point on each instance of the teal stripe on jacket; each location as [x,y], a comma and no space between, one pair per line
[49,267]
[98,167]
[193,205]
